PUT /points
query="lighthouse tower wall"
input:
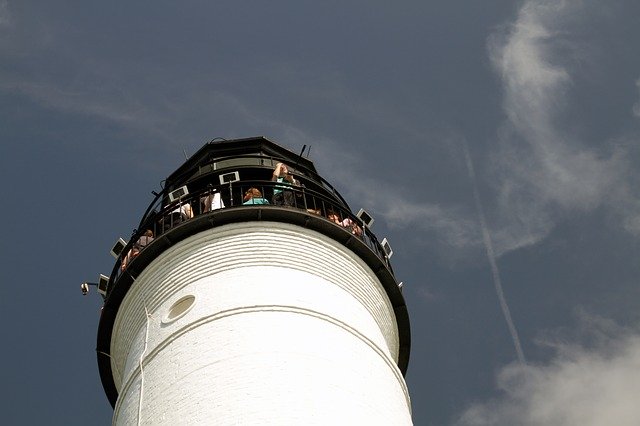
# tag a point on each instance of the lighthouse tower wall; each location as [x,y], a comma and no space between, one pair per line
[257,323]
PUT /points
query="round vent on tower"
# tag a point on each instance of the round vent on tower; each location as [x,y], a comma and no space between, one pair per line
[179,308]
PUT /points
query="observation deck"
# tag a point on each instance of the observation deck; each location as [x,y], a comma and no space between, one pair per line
[211,189]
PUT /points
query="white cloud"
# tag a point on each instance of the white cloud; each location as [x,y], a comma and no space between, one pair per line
[636,106]
[132,109]
[542,172]
[425,294]
[584,385]
[541,168]
[93,98]
[533,85]
[434,223]
[5,15]
[450,226]
[70,99]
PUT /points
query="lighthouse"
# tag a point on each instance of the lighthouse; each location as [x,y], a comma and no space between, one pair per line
[251,294]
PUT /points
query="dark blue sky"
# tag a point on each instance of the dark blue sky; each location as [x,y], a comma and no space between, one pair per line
[100,100]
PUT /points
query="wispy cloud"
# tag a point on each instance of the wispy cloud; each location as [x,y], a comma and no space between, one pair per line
[541,167]
[72,99]
[540,171]
[435,224]
[167,112]
[5,15]
[425,294]
[636,106]
[491,256]
[543,172]
[590,382]
[151,113]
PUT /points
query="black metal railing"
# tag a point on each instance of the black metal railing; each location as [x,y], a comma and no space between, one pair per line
[232,162]
[160,218]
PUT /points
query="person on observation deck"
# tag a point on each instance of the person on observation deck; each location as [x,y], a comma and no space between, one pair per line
[254,196]
[282,191]
[334,217]
[142,242]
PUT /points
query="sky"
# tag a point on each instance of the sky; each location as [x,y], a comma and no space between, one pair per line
[495,143]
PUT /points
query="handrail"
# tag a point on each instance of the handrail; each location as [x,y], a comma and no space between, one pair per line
[273,160]
[164,218]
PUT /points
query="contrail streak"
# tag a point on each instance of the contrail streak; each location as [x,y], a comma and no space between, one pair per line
[488,245]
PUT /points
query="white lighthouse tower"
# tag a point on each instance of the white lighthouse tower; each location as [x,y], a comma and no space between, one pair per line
[221,310]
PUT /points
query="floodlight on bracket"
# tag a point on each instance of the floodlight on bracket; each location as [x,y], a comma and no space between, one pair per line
[388,251]
[365,217]
[229,178]
[177,194]
[101,285]
[118,247]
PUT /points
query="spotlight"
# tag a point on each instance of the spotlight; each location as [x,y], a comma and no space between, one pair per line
[103,282]
[229,178]
[387,248]
[365,217]
[118,247]
[176,194]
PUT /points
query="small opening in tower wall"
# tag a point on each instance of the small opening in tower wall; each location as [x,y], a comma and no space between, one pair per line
[180,308]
